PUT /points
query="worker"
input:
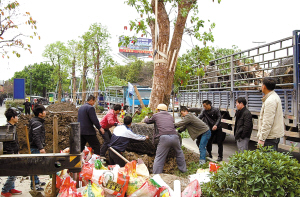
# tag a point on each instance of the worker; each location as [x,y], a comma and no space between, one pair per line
[11,147]
[108,121]
[271,126]
[167,137]
[27,106]
[120,139]
[87,118]
[212,117]
[37,139]
[197,130]
[34,103]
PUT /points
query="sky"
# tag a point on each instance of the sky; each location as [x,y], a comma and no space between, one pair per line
[238,22]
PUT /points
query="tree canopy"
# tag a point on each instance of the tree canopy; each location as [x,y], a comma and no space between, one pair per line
[11,33]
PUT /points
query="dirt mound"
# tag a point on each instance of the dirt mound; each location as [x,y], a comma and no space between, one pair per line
[59,107]
[64,120]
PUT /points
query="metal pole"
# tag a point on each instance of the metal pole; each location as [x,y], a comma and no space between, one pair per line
[132,104]
[55,150]
[75,138]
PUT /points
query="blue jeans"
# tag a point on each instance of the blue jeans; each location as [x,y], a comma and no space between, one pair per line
[36,178]
[9,184]
[203,142]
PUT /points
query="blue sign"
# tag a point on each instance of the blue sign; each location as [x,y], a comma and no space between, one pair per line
[19,88]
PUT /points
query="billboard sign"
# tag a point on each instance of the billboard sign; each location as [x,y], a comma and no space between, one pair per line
[19,88]
[143,46]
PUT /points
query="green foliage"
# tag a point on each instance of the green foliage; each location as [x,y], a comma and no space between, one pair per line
[134,71]
[145,112]
[15,103]
[261,172]
[41,78]
[11,33]
[184,134]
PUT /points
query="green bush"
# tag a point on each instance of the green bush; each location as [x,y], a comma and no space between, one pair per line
[261,172]
[101,108]
[145,112]
[14,104]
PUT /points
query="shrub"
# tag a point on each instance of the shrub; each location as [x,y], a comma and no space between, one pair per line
[16,103]
[145,112]
[261,172]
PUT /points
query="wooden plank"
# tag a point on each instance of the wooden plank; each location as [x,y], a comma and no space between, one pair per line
[139,97]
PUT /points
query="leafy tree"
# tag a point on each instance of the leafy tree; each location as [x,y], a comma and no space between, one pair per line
[167,51]
[100,48]
[11,33]
[58,53]
[41,78]
[193,62]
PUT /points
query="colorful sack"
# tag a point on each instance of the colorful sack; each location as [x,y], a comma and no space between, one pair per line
[192,190]
[147,190]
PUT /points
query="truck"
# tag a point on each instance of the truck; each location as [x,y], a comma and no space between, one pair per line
[241,74]
[120,95]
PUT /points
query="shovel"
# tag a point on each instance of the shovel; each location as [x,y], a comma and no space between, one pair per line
[33,193]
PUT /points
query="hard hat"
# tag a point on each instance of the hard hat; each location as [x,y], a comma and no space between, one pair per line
[162,107]
[26,99]
[35,99]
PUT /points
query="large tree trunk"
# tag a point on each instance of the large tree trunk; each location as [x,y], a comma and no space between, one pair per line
[163,75]
[74,80]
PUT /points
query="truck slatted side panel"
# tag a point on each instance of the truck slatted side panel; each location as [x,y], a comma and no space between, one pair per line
[218,98]
[190,99]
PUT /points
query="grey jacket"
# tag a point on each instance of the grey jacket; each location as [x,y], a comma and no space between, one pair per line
[194,125]
[163,124]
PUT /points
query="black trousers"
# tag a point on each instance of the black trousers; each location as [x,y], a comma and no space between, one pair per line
[220,136]
[115,159]
[93,142]
[272,143]
[27,111]
[106,137]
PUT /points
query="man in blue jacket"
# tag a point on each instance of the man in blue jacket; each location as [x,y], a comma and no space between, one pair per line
[120,139]
[88,118]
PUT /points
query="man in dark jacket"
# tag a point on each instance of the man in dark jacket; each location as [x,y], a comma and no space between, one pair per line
[37,138]
[88,118]
[212,117]
[168,137]
[27,106]
[120,139]
[11,147]
[243,124]
[197,130]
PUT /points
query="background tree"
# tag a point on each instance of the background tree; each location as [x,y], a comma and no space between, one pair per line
[166,58]
[11,33]
[100,48]
[58,53]
[41,78]
[74,56]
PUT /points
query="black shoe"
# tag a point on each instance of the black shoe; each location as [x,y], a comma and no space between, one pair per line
[38,188]
[219,159]
[42,183]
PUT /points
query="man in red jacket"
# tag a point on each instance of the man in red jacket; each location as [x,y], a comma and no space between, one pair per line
[108,121]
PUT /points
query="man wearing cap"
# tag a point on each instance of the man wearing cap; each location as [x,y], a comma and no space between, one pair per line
[27,106]
[34,103]
[168,137]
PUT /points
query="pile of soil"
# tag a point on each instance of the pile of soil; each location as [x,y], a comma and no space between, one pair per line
[68,114]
